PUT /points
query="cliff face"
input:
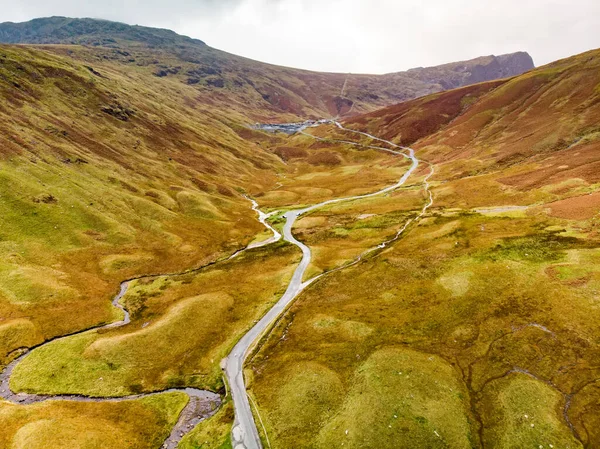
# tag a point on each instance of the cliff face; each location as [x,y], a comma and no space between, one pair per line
[516,63]
[502,66]
[485,68]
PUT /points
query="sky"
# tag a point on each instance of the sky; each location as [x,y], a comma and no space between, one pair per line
[353,36]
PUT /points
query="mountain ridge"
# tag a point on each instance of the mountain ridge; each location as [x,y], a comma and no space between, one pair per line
[48,30]
[303,93]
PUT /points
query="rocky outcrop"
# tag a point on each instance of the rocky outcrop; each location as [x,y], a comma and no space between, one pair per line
[485,68]
[502,66]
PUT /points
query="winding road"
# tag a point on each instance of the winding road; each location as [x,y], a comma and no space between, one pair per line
[203,404]
[245,433]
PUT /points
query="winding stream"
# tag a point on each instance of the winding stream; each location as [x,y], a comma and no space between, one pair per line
[203,404]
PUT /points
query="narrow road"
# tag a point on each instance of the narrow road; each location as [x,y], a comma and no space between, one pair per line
[245,433]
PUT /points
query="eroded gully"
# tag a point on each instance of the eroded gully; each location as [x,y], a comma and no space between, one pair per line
[203,404]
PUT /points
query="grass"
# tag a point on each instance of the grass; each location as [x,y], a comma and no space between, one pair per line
[399,392]
[539,247]
[526,415]
[484,295]
[418,344]
[143,423]
[181,329]
[339,233]
[89,200]
[359,171]
[430,300]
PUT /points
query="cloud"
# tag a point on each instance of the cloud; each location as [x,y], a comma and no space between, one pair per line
[374,36]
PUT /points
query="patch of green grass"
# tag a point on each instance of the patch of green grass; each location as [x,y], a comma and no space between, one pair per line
[413,399]
[524,412]
[182,327]
[568,272]
[303,398]
[545,247]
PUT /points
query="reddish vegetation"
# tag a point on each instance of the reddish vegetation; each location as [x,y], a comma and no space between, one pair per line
[324,158]
[577,208]
[534,116]
[287,153]
[580,162]
[544,122]
[338,106]
[419,118]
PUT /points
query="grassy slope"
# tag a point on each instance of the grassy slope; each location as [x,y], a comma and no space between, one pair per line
[110,173]
[143,423]
[93,199]
[500,306]
[181,329]
[89,199]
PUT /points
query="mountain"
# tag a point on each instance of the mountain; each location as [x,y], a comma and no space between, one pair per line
[265,91]
[486,68]
[129,156]
[545,113]
[479,326]
[64,30]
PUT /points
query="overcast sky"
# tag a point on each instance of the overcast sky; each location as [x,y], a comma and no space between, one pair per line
[366,36]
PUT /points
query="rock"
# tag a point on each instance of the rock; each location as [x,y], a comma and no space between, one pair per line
[216,82]
[118,111]
[45,198]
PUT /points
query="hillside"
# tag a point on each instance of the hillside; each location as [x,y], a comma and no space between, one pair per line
[455,308]
[93,32]
[261,91]
[479,326]
[546,118]
[104,177]
[109,175]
